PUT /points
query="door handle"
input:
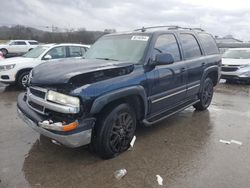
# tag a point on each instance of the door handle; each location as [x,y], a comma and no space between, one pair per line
[203,64]
[183,69]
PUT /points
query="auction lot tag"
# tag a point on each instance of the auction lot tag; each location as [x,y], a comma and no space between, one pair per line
[141,38]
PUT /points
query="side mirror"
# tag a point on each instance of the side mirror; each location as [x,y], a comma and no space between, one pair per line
[164,59]
[47,57]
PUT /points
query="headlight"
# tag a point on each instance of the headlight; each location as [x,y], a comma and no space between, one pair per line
[63,99]
[7,67]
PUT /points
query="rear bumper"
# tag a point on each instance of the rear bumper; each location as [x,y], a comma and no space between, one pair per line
[79,137]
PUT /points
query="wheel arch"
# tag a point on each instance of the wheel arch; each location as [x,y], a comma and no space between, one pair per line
[213,73]
[19,72]
[135,96]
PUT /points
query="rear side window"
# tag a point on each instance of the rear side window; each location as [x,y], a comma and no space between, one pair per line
[190,46]
[208,44]
[33,43]
[75,51]
[167,44]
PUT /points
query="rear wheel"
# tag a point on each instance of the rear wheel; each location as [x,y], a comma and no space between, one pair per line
[229,81]
[206,95]
[23,79]
[114,131]
[4,51]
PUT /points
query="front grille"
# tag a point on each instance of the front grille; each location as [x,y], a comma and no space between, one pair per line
[37,93]
[36,107]
[229,69]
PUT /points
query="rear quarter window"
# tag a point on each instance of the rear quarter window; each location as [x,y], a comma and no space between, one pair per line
[33,43]
[208,44]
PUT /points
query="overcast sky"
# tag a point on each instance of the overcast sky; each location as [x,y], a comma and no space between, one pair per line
[219,17]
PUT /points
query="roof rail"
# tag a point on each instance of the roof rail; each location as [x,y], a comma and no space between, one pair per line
[169,27]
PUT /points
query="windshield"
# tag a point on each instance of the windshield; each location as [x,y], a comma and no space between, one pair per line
[119,48]
[237,54]
[36,52]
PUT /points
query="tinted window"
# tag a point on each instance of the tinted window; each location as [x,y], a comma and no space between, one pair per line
[20,43]
[57,52]
[75,51]
[33,43]
[167,44]
[208,44]
[190,46]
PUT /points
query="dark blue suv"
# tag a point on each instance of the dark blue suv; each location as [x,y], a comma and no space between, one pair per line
[124,80]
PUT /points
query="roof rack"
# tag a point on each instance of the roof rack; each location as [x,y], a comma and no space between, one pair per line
[169,27]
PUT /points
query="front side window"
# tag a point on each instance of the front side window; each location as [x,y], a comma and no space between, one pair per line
[126,47]
[167,44]
[190,46]
[20,43]
[57,52]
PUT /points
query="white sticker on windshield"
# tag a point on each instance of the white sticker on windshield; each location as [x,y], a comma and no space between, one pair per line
[141,38]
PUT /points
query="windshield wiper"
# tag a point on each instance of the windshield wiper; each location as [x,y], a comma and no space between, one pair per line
[107,59]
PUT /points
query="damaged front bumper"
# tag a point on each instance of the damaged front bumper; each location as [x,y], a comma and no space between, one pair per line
[75,138]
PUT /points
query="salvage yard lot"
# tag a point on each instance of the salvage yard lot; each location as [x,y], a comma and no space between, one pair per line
[184,150]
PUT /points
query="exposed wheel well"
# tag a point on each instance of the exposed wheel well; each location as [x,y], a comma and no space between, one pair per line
[214,76]
[135,101]
[21,71]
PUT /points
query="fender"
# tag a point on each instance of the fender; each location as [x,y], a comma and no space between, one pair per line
[208,70]
[101,101]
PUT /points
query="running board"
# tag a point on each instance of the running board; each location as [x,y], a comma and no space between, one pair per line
[149,123]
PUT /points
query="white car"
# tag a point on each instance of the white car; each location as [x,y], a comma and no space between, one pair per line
[18,46]
[16,70]
[236,65]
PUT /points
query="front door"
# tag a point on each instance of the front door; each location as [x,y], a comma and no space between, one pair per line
[169,89]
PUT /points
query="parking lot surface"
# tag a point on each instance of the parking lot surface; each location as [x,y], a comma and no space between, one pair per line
[185,150]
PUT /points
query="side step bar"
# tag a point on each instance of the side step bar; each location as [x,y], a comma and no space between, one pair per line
[149,123]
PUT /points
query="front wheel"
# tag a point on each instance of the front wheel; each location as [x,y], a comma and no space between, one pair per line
[206,95]
[23,79]
[114,131]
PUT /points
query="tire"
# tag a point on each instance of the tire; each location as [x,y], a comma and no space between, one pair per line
[229,81]
[206,95]
[4,51]
[22,79]
[114,131]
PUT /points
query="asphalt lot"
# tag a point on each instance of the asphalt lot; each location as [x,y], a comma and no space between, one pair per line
[184,150]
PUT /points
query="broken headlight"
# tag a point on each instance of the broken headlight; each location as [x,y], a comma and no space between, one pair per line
[63,99]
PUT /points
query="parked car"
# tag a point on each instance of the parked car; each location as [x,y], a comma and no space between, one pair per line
[18,46]
[236,65]
[16,70]
[126,79]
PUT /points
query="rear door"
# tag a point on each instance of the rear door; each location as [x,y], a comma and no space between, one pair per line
[195,61]
[170,87]
[21,47]
[76,51]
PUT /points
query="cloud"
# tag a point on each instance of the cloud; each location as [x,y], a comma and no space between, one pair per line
[218,17]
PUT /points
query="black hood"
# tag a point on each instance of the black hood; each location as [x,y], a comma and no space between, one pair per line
[78,71]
